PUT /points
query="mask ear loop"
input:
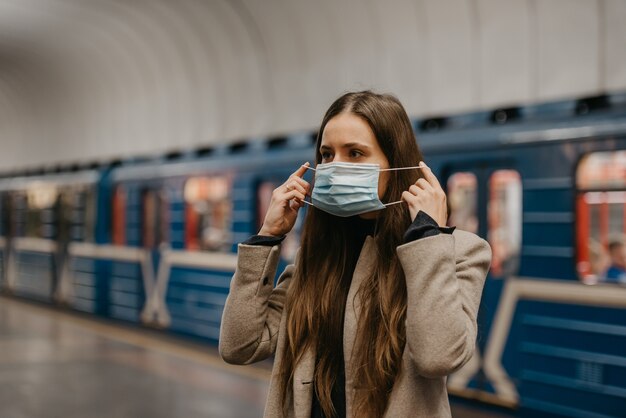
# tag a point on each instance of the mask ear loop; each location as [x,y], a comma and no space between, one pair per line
[308,168]
[380,169]
[392,203]
[400,168]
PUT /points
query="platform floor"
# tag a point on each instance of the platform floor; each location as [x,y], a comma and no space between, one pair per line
[55,364]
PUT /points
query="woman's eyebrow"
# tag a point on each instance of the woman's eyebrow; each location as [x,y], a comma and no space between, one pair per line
[348,145]
[355,144]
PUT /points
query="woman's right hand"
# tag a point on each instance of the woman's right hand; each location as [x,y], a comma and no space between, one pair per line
[287,199]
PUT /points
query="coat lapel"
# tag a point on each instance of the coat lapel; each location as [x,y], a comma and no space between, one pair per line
[303,384]
[353,309]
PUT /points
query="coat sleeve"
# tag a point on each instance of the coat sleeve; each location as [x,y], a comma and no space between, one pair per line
[253,309]
[445,275]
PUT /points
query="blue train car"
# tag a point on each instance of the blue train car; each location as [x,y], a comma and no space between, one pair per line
[545,185]
[552,327]
[41,216]
[174,231]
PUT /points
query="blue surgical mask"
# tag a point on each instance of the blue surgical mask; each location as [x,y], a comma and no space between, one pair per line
[347,189]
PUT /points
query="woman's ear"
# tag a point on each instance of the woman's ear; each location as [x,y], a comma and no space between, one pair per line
[383,180]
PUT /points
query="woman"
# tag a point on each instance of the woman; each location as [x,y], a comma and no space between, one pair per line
[380,304]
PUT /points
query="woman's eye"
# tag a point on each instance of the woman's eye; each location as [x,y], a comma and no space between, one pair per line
[355,153]
[326,155]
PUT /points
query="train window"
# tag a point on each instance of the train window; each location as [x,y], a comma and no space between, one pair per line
[19,209]
[76,214]
[601,217]
[6,215]
[118,221]
[155,219]
[504,220]
[64,216]
[208,213]
[40,201]
[89,215]
[291,243]
[463,201]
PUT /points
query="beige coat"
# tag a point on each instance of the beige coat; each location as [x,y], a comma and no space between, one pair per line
[444,276]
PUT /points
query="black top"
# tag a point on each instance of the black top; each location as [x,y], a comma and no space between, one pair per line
[423,226]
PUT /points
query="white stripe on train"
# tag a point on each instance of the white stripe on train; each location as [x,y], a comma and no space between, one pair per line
[535,289]
[515,289]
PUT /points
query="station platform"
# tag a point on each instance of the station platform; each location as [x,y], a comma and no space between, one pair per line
[57,364]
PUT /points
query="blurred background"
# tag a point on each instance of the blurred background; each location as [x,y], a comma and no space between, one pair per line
[141,141]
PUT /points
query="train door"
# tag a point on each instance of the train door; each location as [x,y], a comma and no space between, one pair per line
[63,209]
[601,217]
[155,227]
[6,231]
[193,283]
[486,198]
[154,221]
[34,246]
[17,208]
[75,223]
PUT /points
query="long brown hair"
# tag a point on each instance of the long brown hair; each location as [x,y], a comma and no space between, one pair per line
[317,295]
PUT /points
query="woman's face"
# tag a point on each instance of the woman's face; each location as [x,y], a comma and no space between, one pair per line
[348,138]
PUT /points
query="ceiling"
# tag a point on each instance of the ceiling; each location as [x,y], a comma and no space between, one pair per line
[93,80]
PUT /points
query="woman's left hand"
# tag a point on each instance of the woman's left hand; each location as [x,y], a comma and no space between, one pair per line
[427,195]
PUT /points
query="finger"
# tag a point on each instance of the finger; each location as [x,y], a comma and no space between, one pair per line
[301,181]
[300,171]
[429,176]
[407,197]
[296,204]
[293,184]
[423,184]
[414,190]
[296,186]
[293,194]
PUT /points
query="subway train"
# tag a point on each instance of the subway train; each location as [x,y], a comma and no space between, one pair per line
[153,242]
